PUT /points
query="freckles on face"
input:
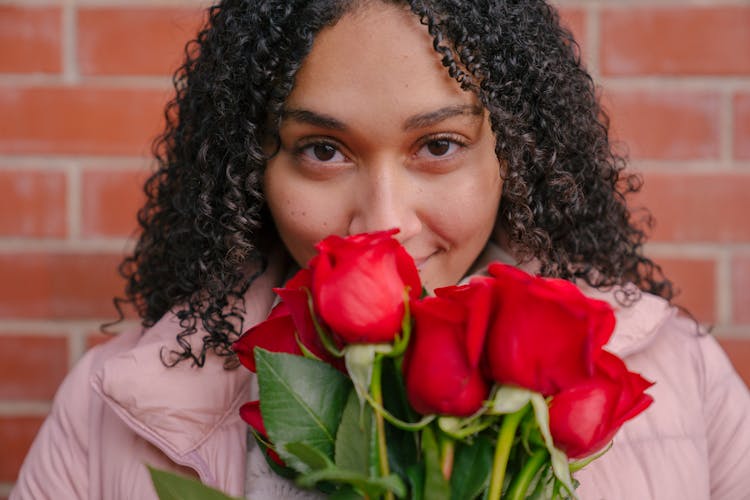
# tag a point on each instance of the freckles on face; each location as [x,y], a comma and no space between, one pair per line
[376,135]
[302,214]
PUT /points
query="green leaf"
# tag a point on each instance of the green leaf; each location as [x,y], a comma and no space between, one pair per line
[373,487]
[301,400]
[415,474]
[311,457]
[472,467]
[171,486]
[436,487]
[355,439]
[346,493]
[323,470]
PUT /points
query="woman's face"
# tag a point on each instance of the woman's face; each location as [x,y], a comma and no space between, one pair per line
[376,135]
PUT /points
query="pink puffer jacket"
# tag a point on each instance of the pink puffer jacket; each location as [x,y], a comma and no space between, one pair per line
[121,408]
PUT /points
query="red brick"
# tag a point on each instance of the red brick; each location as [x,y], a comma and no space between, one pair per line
[30,38]
[31,367]
[667,125]
[695,284]
[741,107]
[85,120]
[111,199]
[575,20]
[157,49]
[738,351]
[50,285]
[697,207]
[32,203]
[741,289]
[675,40]
[16,434]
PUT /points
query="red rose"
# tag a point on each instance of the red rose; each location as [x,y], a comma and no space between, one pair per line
[288,324]
[358,285]
[441,367]
[545,334]
[276,334]
[585,417]
[250,413]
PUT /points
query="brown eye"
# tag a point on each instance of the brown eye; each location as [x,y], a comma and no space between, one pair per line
[439,147]
[323,152]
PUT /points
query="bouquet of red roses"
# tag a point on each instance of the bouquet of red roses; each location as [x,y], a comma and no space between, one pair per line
[496,388]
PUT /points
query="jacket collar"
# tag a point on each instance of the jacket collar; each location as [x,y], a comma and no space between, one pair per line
[177,408]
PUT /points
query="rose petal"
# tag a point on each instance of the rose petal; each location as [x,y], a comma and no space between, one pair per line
[438,375]
[584,418]
[358,285]
[275,334]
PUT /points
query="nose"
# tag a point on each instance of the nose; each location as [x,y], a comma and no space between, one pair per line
[385,199]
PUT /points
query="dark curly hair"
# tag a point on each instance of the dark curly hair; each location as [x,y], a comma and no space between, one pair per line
[205,230]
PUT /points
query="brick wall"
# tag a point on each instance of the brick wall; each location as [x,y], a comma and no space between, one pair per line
[82,84]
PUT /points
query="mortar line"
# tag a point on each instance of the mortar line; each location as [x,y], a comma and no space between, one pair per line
[76,345]
[55,327]
[70,37]
[593,32]
[74,202]
[726,132]
[30,408]
[724,288]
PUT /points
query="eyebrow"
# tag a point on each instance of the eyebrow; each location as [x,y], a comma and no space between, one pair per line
[413,122]
[313,118]
[434,117]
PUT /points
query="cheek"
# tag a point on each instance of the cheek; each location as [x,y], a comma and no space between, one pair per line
[463,220]
[483,197]
[302,216]
[468,212]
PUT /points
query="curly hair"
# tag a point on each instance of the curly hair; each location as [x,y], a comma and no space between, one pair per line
[205,231]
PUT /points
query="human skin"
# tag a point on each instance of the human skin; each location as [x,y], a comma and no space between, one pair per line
[376,135]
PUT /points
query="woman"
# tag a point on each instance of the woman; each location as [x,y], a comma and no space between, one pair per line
[471,127]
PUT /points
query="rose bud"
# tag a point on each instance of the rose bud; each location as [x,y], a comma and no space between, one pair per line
[250,413]
[358,285]
[441,366]
[585,417]
[545,334]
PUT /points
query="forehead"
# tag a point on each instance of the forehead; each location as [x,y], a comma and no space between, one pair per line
[377,58]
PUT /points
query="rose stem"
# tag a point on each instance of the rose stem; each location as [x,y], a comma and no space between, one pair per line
[447,452]
[376,391]
[502,451]
[521,483]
